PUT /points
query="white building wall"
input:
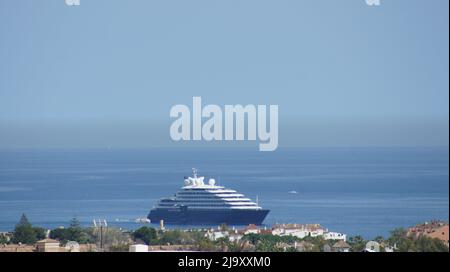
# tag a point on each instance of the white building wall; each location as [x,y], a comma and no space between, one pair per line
[335,236]
[138,248]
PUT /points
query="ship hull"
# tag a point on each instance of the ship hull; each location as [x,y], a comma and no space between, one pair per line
[197,217]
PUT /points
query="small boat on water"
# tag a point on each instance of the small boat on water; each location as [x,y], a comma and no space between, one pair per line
[142,220]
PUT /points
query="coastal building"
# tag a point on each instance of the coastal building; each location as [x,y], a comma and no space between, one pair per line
[48,245]
[434,229]
[372,246]
[335,236]
[298,230]
[252,228]
[215,235]
[17,248]
[389,248]
[440,233]
[233,237]
[341,246]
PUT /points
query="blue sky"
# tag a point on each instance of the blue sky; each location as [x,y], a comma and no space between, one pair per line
[107,72]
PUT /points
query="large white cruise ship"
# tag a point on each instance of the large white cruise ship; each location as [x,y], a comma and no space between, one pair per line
[201,203]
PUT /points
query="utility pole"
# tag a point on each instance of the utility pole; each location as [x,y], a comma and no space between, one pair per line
[101,237]
[101,224]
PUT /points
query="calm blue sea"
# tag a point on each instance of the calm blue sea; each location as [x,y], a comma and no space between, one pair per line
[367,191]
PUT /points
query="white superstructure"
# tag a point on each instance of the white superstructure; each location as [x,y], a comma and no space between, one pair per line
[197,195]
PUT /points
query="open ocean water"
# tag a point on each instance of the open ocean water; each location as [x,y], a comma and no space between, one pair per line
[366,191]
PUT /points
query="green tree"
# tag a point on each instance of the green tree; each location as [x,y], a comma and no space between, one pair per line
[73,233]
[76,232]
[240,245]
[252,238]
[41,233]
[397,235]
[379,239]
[60,234]
[177,237]
[318,243]
[113,239]
[268,242]
[24,232]
[357,243]
[145,234]
[427,244]
[206,245]
[119,247]
[3,239]
[400,240]
[23,221]
[74,223]
[405,243]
